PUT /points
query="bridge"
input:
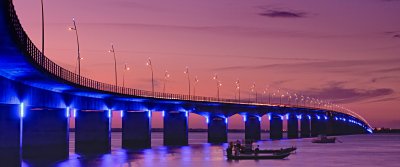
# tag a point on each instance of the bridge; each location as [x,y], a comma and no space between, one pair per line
[39,97]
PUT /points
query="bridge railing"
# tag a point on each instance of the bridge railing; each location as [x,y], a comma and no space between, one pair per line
[39,59]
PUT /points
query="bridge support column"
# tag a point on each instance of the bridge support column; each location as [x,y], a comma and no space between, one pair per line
[305,126]
[293,126]
[45,134]
[175,128]
[217,129]
[318,125]
[10,135]
[136,130]
[92,132]
[276,126]
[252,128]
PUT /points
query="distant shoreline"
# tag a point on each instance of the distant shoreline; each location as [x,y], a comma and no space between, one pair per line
[380,130]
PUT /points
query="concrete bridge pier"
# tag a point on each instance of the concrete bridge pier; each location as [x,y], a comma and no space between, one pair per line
[318,125]
[92,131]
[10,135]
[136,129]
[217,129]
[45,134]
[293,126]
[175,128]
[305,126]
[252,127]
[276,125]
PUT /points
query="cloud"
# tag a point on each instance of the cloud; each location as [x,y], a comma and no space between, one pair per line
[337,93]
[283,14]
[397,69]
[383,100]
[333,66]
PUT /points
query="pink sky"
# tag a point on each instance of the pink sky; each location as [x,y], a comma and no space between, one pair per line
[344,51]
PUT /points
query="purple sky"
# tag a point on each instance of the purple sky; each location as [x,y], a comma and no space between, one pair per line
[347,51]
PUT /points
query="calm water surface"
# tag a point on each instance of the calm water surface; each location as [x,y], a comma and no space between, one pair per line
[355,150]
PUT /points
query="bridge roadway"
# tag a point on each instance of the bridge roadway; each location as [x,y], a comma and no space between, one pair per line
[38,97]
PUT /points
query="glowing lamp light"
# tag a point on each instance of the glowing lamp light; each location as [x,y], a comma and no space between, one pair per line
[122,114]
[186,114]
[287,116]
[67,112]
[109,114]
[226,120]
[325,117]
[149,114]
[298,116]
[281,117]
[163,113]
[74,113]
[309,117]
[269,117]
[207,120]
[21,110]
[318,117]
[244,118]
[259,119]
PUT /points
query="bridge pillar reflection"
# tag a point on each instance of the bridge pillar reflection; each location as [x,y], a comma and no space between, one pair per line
[45,134]
[175,128]
[305,126]
[10,135]
[92,132]
[217,129]
[136,129]
[252,127]
[276,125]
[293,126]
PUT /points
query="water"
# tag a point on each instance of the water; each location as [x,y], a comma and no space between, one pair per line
[355,150]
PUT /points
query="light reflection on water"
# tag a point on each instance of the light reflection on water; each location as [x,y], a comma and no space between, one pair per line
[356,150]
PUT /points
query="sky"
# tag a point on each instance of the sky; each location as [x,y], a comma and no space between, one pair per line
[344,51]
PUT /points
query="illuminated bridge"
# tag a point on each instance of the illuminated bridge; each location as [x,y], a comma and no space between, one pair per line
[38,97]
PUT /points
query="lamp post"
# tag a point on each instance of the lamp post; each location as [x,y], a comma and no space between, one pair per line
[238,88]
[196,81]
[115,64]
[77,42]
[149,64]
[42,27]
[166,76]
[126,68]
[188,78]
[253,89]
[219,84]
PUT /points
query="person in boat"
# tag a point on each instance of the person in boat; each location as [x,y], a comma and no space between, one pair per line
[229,149]
[257,150]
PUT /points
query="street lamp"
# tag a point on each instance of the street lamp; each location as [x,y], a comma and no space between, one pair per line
[219,84]
[196,81]
[115,63]
[42,27]
[238,88]
[152,74]
[188,78]
[253,87]
[166,76]
[77,42]
[126,68]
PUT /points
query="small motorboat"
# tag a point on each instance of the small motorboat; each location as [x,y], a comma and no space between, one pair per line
[257,156]
[270,151]
[324,139]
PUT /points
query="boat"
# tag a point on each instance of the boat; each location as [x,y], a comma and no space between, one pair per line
[324,139]
[270,151]
[257,156]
